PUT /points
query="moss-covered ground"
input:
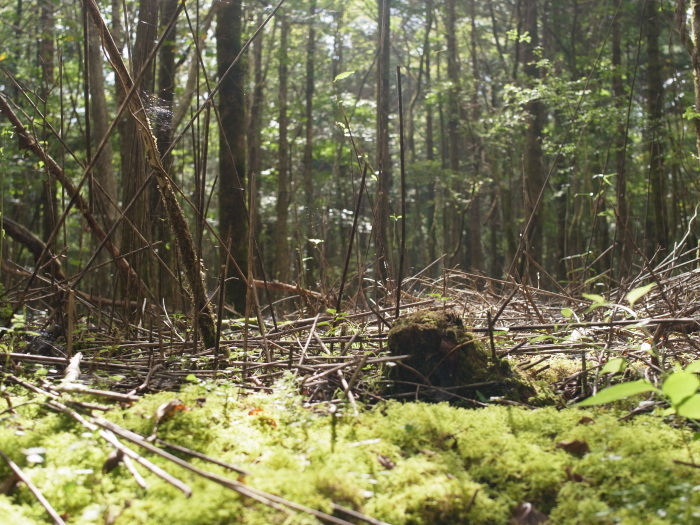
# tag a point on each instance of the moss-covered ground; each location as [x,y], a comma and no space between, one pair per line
[410,463]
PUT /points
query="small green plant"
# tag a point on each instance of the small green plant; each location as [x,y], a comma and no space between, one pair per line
[680,389]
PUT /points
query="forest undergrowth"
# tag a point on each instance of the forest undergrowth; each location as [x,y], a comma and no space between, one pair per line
[297,420]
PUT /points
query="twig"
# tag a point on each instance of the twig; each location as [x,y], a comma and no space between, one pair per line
[237,486]
[33,489]
[155,469]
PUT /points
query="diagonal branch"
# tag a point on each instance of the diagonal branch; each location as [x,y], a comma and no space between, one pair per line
[176,217]
[29,142]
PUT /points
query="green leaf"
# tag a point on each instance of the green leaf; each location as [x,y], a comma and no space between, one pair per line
[343,75]
[614,366]
[690,408]
[679,386]
[192,378]
[595,298]
[693,367]
[617,392]
[638,293]
[567,312]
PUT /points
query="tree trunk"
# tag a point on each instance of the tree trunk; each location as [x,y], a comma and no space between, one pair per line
[625,250]
[105,193]
[431,214]
[381,214]
[134,167]
[452,227]
[281,240]
[190,259]
[233,217]
[167,287]
[476,253]
[657,222]
[533,165]
[310,197]
[49,198]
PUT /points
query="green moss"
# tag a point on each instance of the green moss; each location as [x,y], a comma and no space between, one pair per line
[411,463]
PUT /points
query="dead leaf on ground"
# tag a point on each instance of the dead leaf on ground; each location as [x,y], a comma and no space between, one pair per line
[575,447]
[386,462]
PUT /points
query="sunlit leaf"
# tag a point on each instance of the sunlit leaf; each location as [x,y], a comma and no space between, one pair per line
[617,392]
[567,312]
[595,298]
[343,75]
[614,366]
[693,367]
[638,293]
[680,385]
[690,408]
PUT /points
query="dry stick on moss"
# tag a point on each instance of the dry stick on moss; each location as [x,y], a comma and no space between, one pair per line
[178,223]
[237,486]
[110,438]
[203,457]
[33,489]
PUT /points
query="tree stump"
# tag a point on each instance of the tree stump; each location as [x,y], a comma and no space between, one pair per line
[446,361]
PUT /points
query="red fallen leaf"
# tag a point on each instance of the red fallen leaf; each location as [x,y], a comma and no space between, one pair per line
[262,416]
[166,410]
[575,447]
[585,420]
[527,514]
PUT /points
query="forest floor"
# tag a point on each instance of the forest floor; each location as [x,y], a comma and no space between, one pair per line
[300,421]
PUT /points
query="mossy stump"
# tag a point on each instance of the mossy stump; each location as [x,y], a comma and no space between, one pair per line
[446,361]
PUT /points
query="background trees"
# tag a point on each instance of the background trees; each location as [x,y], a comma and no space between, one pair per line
[589,104]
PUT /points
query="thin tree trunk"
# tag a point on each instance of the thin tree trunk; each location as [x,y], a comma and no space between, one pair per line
[46,58]
[281,240]
[431,215]
[233,217]
[476,255]
[694,46]
[456,142]
[657,222]
[105,194]
[310,197]
[381,215]
[166,94]
[533,165]
[134,168]
[625,250]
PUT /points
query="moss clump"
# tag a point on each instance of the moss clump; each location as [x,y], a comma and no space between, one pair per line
[402,463]
[445,358]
